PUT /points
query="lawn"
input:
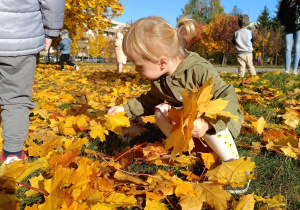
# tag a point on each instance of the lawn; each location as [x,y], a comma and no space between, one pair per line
[80,158]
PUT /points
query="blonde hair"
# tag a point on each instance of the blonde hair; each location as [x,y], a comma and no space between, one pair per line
[153,37]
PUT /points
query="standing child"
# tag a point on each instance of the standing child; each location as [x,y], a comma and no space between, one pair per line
[243,40]
[155,48]
[121,57]
[24,27]
[65,51]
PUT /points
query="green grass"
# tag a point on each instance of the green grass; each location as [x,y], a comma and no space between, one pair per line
[275,173]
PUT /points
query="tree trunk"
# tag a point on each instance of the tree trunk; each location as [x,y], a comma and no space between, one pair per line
[224,60]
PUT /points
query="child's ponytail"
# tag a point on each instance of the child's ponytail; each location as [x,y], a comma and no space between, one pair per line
[189,26]
[185,29]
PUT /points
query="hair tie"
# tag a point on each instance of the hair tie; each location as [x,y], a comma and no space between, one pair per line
[179,29]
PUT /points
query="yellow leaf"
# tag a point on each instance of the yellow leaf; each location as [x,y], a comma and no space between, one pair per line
[66,128]
[290,120]
[183,188]
[116,122]
[210,193]
[36,182]
[232,172]
[276,201]
[190,176]
[98,131]
[155,205]
[66,98]
[210,160]
[289,152]
[53,186]
[246,202]
[120,199]
[195,104]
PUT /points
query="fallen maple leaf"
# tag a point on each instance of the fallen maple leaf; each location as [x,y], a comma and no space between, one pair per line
[233,172]
[53,186]
[97,130]
[208,192]
[116,122]
[246,202]
[154,205]
[276,201]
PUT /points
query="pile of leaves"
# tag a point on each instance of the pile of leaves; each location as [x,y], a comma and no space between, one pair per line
[80,158]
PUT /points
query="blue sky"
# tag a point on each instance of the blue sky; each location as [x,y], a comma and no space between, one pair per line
[171,9]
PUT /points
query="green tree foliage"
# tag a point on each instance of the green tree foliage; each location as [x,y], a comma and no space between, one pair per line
[202,11]
[216,8]
[264,19]
[236,11]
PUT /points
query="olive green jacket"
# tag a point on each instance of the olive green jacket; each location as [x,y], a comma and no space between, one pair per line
[193,71]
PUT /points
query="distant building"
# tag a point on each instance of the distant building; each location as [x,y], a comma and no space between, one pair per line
[114,28]
[252,25]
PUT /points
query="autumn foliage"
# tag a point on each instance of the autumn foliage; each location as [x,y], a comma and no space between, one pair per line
[66,170]
[215,36]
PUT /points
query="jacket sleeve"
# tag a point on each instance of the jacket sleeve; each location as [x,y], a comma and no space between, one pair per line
[53,16]
[252,39]
[281,15]
[143,105]
[60,46]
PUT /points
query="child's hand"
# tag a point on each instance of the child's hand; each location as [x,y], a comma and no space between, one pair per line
[115,109]
[47,43]
[200,127]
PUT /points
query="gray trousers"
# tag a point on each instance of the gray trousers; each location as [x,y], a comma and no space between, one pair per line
[16,79]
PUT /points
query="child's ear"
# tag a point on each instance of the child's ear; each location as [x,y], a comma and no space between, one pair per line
[163,61]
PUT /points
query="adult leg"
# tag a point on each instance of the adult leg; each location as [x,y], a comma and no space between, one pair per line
[16,79]
[242,65]
[288,37]
[296,50]
[249,63]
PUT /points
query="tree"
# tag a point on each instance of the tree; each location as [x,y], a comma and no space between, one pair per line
[81,15]
[264,26]
[194,10]
[264,19]
[215,9]
[194,44]
[203,11]
[98,45]
[236,11]
[217,36]
[275,23]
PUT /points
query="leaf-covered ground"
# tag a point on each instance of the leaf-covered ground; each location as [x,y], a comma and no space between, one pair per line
[79,158]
